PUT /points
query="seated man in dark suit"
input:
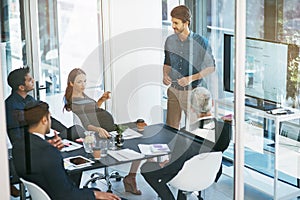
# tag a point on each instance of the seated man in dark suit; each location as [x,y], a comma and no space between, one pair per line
[158,174]
[46,168]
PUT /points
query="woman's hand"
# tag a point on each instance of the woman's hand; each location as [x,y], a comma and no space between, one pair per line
[102,133]
[104,97]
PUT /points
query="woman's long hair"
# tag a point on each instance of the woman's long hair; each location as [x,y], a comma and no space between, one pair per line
[69,90]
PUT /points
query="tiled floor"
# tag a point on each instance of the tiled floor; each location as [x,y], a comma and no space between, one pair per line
[223,190]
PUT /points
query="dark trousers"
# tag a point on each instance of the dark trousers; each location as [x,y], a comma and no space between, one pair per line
[158,178]
[151,171]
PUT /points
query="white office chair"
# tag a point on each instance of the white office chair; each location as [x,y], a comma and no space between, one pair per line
[198,173]
[35,191]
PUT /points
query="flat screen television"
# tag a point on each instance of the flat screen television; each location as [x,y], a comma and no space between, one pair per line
[266,71]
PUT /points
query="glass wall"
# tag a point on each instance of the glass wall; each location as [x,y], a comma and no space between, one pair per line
[49,46]
[70,34]
[69,38]
[271,67]
[12,38]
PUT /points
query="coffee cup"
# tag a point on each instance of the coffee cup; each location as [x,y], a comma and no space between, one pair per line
[140,124]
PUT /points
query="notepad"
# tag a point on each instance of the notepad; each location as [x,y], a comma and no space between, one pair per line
[125,155]
[70,145]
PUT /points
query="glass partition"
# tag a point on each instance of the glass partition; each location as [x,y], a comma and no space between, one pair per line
[275,22]
[12,38]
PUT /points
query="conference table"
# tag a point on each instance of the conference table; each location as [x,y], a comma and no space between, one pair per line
[152,134]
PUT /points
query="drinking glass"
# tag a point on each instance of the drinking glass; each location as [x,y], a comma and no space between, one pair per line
[88,141]
[104,147]
[112,143]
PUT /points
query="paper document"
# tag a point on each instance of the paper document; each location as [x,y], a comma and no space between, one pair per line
[125,155]
[70,145]
[154,149]
[130,134]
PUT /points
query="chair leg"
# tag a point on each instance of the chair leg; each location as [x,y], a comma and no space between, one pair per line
[181,195]
[106,176]
[22,191]
[109,185]
[219,174]
[199,196]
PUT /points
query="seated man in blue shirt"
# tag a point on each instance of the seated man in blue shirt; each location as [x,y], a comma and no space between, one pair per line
[21,83]
[46,167]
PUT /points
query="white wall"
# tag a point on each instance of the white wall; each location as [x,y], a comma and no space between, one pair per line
[134,58]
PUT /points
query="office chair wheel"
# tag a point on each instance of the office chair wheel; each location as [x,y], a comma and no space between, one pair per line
[94,177]
[118,177]
[98,174]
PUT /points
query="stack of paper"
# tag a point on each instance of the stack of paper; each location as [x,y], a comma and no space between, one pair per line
[130,134]
[125,155]
[154,149]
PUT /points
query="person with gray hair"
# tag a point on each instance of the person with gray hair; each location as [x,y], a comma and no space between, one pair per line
[201,101]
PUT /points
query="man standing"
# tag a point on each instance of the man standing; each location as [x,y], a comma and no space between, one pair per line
[188,59]
[46,167]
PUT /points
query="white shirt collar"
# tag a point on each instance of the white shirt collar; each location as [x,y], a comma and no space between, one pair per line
[39,135]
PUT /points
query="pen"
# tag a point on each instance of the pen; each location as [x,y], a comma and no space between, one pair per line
[67,144]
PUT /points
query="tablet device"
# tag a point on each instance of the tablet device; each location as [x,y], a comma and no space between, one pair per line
[78,161]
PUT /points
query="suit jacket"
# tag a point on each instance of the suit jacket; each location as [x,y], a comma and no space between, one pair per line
[47,170]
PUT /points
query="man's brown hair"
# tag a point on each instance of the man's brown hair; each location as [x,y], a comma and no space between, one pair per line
[182,12]
[35,111]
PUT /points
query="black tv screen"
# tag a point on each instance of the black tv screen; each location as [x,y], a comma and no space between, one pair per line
[266,68]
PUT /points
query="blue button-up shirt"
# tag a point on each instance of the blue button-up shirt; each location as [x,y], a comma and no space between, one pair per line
[178,54]
[15,122]
[15,105]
